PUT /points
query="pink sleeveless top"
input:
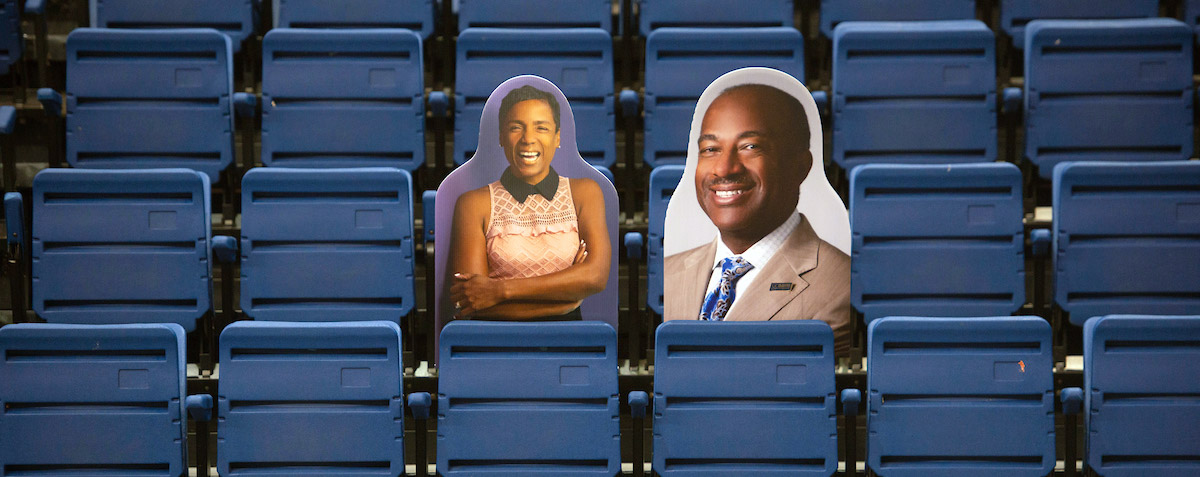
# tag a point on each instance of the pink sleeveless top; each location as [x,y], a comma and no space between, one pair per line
[533,238]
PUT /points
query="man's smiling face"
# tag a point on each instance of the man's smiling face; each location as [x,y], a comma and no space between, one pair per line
[750,164]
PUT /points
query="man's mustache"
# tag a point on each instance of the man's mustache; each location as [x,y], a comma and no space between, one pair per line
[735,179]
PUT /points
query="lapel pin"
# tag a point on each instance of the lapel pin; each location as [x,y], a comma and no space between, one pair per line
[782,286]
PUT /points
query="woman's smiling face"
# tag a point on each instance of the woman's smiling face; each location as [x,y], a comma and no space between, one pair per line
[529,137]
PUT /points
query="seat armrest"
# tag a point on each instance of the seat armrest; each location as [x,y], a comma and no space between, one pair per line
[1011,100]
[8,119]
[52,102]
[1072,400]
[428,205]
[225,248]
[822,99]
[850,399]
[629,103]
[244,104]
[633,246]
[439,103]
[420,403]
[199,406]
[1039,242]
[14,221]
[638,402]
[36,7]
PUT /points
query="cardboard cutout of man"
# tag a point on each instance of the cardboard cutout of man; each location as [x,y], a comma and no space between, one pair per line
[750,160]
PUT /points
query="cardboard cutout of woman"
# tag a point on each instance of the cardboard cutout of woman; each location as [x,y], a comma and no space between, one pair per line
[532,227]
[754,231]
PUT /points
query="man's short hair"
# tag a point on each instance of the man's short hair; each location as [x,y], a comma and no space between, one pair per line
[788,105]
[526,93]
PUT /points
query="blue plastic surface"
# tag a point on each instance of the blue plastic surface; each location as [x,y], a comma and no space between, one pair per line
[93,399]
[11,42]
[1015,15]
[528,399]
[1113,90]
[681,62]
[428,207]
[638,402]
[578,60]
[633,246]
[535,14]
[415,15]
[960,396]
[327,244]
[52,102]
[1142,378]
[744,398]
[343,98]
[149,98]
[237,19]
[937,240]
[420,403]
[14,222]
[834,12]
[1125,238]
[914,92]
[8,119]
[719,14]
[1191,15]
[124,246]
[311,399]
[851,398]
[663,180]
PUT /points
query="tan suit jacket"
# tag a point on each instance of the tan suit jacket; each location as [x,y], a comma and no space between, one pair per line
[819,274]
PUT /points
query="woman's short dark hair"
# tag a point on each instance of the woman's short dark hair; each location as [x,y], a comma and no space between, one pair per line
[526,93]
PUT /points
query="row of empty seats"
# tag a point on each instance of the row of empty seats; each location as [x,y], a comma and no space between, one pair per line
[745,398]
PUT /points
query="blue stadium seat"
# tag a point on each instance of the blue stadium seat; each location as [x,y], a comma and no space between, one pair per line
[343,98]
[655,14]
[1125,239]
[415,15]
[1117,90]
[834,12]
[149,98]
[578,60]
[311,399]
[127,246]
[960,396]
[327,244]
[663,180]
[1142,377]
[11,42]
[535,14]
[1191,15]
[521,399]
[235,18]
[681,62]
[93,400]
[1015,15]
[937,240]
[896,85]
[744,398]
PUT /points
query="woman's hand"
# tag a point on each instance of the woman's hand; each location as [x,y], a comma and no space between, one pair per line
[580,254]
[472,292]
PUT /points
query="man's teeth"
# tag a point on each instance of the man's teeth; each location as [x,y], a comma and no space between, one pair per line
[725,194]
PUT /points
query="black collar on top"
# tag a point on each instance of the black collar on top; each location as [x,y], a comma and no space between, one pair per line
[521,190]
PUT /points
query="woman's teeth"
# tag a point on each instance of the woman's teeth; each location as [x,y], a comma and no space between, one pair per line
[530,157]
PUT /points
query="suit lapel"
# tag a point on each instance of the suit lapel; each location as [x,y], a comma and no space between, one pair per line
[797,256]
[695,283]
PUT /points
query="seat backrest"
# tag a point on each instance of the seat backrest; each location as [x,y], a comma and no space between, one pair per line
[1125,238]
[1191,15]
[11,42]
[1141,379]
[1113,90]
[327,244]
[519,399]
[1015,15]
[897,84]
[415,15]
[663,180]
[123,246]
[744,398]
[682,62]
[834,12]
[578,60]
[937,240]
[311,399]
[149,98]
[535,14]
[92,399]
[979,393]
[343,98]
[235,18]
[655,14]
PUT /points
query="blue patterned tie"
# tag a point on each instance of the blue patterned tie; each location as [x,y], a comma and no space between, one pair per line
[717,303]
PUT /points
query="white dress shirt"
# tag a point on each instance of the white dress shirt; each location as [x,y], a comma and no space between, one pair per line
[758,255]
